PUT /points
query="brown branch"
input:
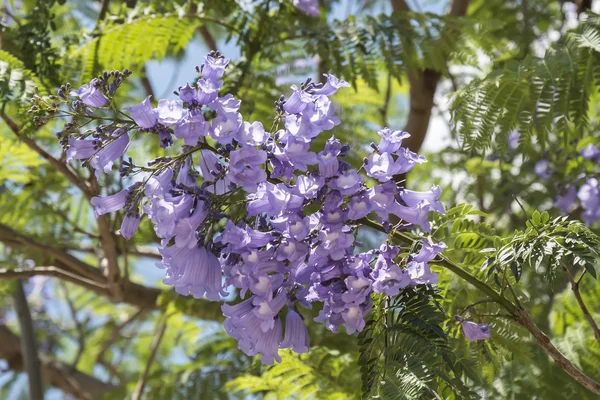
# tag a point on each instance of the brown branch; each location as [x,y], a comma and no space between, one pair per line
[561,361]
[139,390]
[16,239]
[423,85]
[107,238]
[31,359]
[583,6]
[399,6]
[55,374]
[146,84]
[584,309]
[71,269]
[519,314]
[208,38]
[103,11]
[24,273]
[59,165]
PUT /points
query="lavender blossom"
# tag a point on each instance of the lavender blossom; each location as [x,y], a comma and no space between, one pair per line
[90,95]
[475,331]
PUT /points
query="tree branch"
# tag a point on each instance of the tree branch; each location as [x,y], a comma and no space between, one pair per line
[522,317]
[56,374]
[584,309]
[208,38]
[399,6]
[561,361]
[146,82]
[107,239]
[71,269]
[139,390]
[31,360]
[423,85]
[22,273]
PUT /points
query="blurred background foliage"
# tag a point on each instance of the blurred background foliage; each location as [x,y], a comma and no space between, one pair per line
[531,67]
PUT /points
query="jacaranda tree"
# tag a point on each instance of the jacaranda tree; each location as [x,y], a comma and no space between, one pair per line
[271,227]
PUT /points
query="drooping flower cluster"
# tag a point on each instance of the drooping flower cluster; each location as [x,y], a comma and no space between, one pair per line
[263,211]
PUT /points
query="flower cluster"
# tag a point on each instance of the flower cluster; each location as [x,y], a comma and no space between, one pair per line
[262,211]
[583,189]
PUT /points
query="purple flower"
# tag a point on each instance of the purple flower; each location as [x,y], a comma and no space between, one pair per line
[297,153]
[566,201]
[429,251]
[144,115]
[381,166]
[159,184]
[194,271]
[421,274]
[191,128]
[418,215]
[359,207]
[214,67]
[407,160]
[210,166]
[475,331]
[105,205]
[297,101]
[296,334]
[310,7]
[335,243]
[252,134]
[208,90]
[226,105]
[432,197]
[330,87]
[353,318]
[267,308]
[244,167]
[267,344]
[273,200]
[187,93]
[81,149]
[382,198]
[225,127]
[541,169]
[90,94]
[185,229]
[308,186]
[590,151]
[170,112]
[327,159]
[130,225]
[388,278]
[103,159]
[589,195]
[347,183]
[513,139]
[391,141]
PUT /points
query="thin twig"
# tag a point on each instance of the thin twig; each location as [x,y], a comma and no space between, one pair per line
[584,309]
[139,390]
[116,333]
[107,238]
[464,310]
